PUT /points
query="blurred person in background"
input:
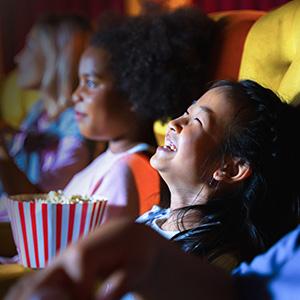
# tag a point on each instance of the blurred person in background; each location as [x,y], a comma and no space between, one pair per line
[48,149]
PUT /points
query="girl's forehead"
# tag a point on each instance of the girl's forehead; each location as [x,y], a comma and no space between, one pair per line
[217,104]
[95,59]
[214,96]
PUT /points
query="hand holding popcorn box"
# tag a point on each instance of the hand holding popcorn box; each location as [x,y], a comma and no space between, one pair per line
[44,224]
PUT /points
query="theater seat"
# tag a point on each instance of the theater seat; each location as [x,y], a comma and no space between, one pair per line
[271,54]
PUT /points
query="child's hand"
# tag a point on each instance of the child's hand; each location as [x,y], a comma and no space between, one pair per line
[123,255]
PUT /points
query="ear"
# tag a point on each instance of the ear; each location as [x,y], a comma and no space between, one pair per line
[234,170]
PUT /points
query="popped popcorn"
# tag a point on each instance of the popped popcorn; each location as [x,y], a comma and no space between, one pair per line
[60,198]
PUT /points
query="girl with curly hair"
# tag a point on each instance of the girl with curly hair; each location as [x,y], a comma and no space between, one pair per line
[135,71]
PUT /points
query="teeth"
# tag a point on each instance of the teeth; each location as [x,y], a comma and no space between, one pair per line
[173,148]
[170,146]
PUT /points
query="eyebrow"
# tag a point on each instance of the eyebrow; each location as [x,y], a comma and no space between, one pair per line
[95,74]
[205,109]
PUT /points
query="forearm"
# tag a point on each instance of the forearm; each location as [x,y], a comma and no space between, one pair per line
[148,265]
[14,181]
[127,257]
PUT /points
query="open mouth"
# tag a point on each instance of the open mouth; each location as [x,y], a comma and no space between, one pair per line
[170,146]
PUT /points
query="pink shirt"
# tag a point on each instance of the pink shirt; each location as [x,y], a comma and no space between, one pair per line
[126,180]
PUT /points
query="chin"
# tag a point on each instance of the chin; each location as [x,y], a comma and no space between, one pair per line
[153,162]
[23,83]
[91,135]
[156,163]
[86,133]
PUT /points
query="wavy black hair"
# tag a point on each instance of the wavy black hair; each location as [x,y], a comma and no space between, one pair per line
[263,209]
[160,61]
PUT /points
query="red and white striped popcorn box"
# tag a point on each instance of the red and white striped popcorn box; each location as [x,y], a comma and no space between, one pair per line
[42,230]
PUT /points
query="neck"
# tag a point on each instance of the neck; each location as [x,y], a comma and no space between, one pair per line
[187,195]
[184,197]
[179,220]
[140,134]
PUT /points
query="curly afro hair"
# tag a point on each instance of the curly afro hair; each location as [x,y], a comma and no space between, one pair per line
[159,61]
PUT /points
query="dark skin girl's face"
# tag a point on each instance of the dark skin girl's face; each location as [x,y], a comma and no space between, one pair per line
[101,112]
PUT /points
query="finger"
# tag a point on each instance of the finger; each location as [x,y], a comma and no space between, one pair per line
[41,285]
[50,293]
[114,287]
[56,284]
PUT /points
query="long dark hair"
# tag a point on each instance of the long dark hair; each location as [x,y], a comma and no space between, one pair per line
[263,208]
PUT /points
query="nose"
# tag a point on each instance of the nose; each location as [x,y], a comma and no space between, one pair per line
[76,96]
[177,124]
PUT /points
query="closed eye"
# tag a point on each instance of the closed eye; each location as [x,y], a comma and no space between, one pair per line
[198,120]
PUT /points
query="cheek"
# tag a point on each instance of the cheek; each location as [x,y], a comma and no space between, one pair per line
[98,124]
[29,79]
[192,157]
[91,128]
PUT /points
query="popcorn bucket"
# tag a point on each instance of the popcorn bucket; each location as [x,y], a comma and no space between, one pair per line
[42,229]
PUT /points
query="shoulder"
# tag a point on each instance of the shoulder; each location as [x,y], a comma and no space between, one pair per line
[37,107]
[275,257]
[136,162]
[134,158]
[154,213]
[130,164]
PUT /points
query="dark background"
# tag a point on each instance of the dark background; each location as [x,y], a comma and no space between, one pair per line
[17,16]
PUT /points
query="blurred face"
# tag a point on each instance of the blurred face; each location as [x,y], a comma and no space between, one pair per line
[30,63]
[193,138]
[102,114]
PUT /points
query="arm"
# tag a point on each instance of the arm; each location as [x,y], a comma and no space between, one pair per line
[128,257]
[274,274]
[14,181]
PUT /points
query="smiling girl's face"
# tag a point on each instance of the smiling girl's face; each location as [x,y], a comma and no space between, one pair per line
[102,114]
[193,139]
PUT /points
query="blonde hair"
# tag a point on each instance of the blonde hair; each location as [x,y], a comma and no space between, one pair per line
[62,39]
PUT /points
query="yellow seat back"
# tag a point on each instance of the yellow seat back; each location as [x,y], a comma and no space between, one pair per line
[271,54]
